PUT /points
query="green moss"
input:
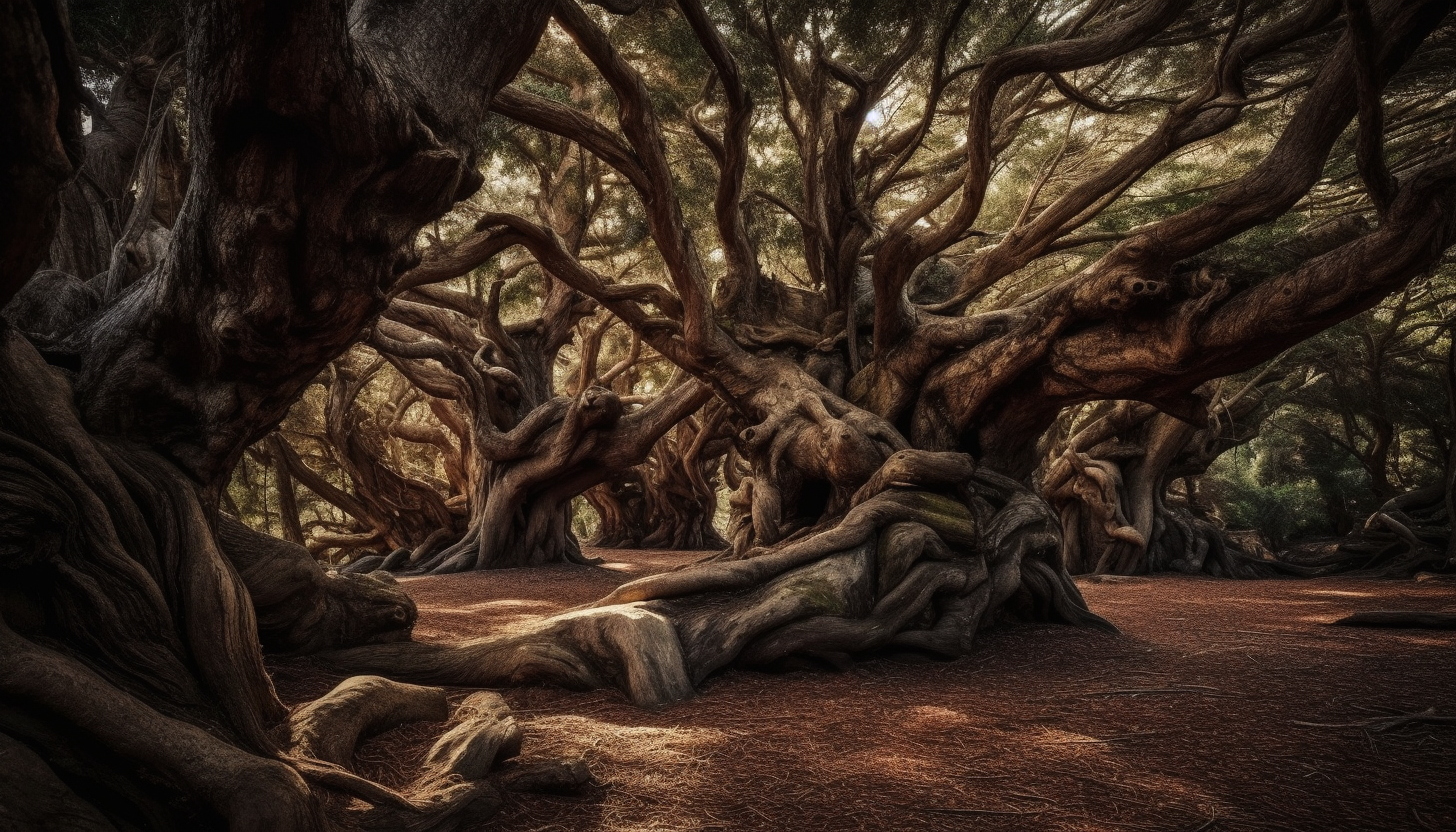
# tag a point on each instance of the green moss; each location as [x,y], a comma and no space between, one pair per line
[948,517]
[823,595]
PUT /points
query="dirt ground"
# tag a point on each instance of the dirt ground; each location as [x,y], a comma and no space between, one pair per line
[1223,705]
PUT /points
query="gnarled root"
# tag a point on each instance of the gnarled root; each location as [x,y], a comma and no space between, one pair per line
[1410,533]
[55,700]
[626,646]
[461,779]
[1110,528]
[303,609]
[130,667]
[503,535]
[930,552]
[32,797]
[330,727]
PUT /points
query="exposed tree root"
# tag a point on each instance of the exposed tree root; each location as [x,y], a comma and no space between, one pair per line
[453,785]
[1410,534]
[32,797]
[930,553]
[627,647]
[330,727]
[303,609]
[132,681]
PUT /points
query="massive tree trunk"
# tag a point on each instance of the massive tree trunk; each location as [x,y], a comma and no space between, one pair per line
[929,551]
[834,474]
[325,135]
[858,543]
[1109,478]
[530,452]
[567,446]
[132,667]
[669,501]
[1411,532]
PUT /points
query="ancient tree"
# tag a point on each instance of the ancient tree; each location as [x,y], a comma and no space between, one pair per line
[321,138]
[479,382]
[1373,433]
[670,499]
[1112,468]
[895,514]
[888,378]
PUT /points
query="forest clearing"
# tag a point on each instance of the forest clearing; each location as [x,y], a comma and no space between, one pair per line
[433,415]
[1233,702]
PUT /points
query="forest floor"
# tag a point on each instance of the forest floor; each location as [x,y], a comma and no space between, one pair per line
[1223,705]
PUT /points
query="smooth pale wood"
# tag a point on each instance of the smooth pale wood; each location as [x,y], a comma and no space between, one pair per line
[330,727]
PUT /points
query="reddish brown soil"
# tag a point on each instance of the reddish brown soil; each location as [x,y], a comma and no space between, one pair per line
[1192,719]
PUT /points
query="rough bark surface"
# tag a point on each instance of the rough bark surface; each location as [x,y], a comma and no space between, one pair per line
[325,135]
[1110,477]
[669,501]
[131,647]
[930,552]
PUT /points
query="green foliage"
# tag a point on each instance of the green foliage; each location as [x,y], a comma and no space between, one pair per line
[1372,421]
[1283,509]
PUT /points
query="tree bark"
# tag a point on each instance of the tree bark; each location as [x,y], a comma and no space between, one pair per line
[131,645]
[324,136]
[669,501]
[1109,482]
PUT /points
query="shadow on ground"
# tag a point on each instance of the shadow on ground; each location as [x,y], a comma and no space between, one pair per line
[1192,719]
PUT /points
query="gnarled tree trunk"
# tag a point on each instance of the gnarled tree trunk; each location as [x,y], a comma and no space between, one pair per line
[669,501]
[1109,479]
[1409,533]
[130,643]
[324,136]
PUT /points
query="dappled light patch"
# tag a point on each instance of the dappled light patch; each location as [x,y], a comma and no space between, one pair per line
[934,716]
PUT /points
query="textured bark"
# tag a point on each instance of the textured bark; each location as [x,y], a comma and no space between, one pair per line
[930,552]
[324,137]
[287,495]
[330,727]
[261,288]
[32,797]
[81,514]
[669,501]
[523,517]
[131,648]
[41,139]
[1109,479]
[96,207]
[302,609]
